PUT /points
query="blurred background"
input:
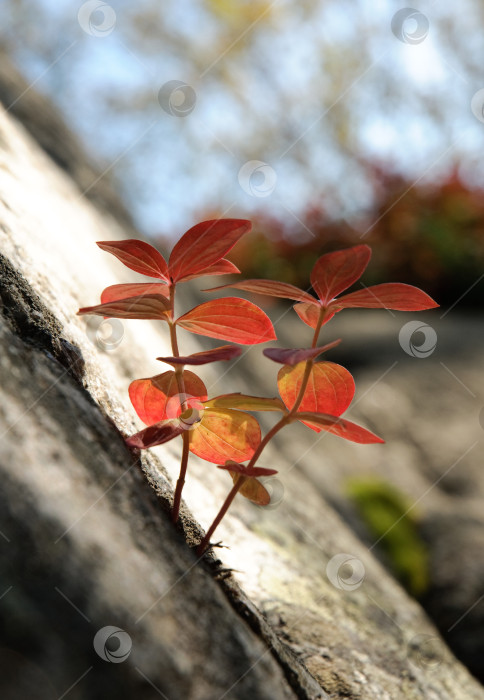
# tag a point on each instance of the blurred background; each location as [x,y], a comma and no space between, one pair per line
[328,123]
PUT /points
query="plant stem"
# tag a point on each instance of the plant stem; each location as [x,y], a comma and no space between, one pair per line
[181,390]
[286,418]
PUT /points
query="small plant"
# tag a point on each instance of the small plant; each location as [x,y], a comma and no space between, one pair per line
[220,429]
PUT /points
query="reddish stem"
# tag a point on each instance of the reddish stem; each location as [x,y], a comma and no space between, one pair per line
[228,502]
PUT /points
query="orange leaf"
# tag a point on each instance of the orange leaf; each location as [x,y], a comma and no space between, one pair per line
[394,295]
[270,288]
[123,291]
[203,245]
[222,267]
[138,256]
[253,490]
[335,272]
[310,314]
[157,398]
[243,402]
[330,387]
[231,319]
[224,352]
[148,306]
[292,356]
[338,426]
[225,434]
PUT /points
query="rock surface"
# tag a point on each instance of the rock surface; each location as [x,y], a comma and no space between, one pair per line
[85,538]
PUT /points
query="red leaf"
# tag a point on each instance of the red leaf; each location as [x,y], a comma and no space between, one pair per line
[270,288]
[338,426]
[148,306]
[292,356]
[224,434]
[396,296]
[138,256]
[237,468]
[156,434]
[335,272]
[231,319]
[123,291]
[222,267]
[224,352]
[330,387]
[157,398]
[310,314]
[203,245]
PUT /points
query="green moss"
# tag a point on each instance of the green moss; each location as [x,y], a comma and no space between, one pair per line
[385,512]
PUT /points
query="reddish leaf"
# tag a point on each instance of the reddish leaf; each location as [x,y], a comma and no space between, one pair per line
[310,314]
[242,402]
[156,434]
[292,356]
[338,426]
[253,490]
[335,272]
[330,387]
[203,245]
[224,352]
[400,297]
[224,434]
[222,267]
[246,471]
[138,256]
[270,288]
[157,398]
[123,291]
[148,306]
[231,319]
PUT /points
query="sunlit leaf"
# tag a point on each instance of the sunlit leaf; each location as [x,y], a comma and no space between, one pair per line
[243,402]
[335,272]
[147,306]
[224,352]
[330,387]
[224,434]
[124,291]
[338,426]
[292,356]
[269,288]
[310,314]
[156,397]
[230,319]
[138,256]
[156,434]
[203,245]
[393,295]
[222,267]
[253,490]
